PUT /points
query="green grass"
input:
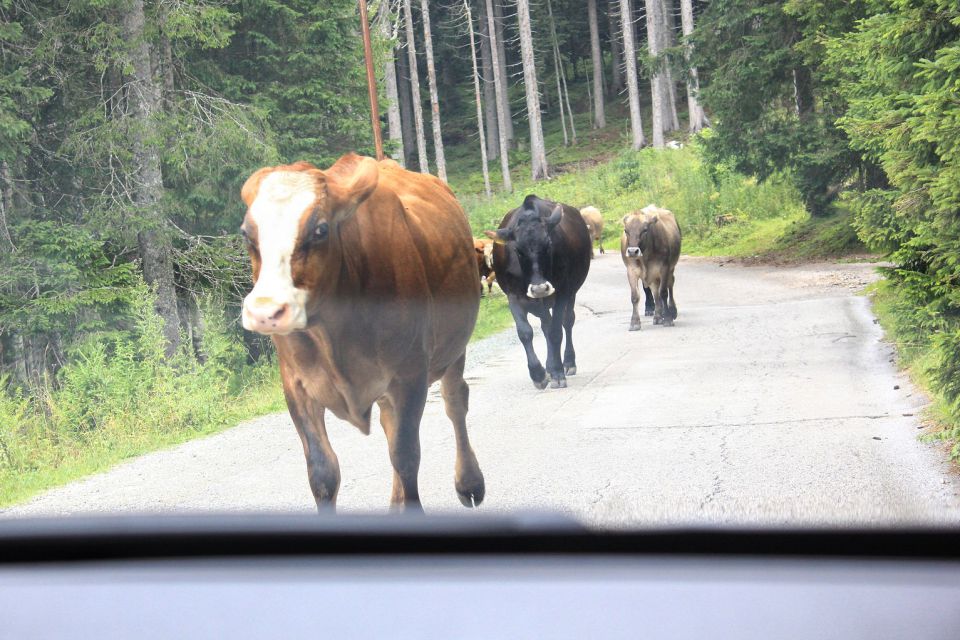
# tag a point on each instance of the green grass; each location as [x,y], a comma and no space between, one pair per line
[921,356]
[119,397]
[494,315]
[57,458]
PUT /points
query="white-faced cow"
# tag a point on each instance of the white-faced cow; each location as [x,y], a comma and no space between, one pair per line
[484,250]
[542,256]
[364,276]
[594,220]
[650,248]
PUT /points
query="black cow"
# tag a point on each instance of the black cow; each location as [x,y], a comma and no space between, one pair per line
[541,257]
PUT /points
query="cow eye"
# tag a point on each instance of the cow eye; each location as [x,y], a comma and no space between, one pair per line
[321,231]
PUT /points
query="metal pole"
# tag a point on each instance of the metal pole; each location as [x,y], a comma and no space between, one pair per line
[371,81]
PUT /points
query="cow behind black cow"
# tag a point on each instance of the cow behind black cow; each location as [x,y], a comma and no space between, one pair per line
[541,257]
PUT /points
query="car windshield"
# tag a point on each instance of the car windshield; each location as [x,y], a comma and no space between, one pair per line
[642,264]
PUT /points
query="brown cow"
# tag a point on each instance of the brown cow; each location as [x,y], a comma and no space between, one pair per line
[650,248]
[364,277]
[591,215]
[484,252]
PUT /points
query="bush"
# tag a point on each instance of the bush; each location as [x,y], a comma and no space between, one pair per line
[117,396]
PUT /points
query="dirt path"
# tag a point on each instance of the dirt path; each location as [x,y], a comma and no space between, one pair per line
[773,400]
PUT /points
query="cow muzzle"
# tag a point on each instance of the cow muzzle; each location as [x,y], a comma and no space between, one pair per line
[634,252]
[269,316]
[542,290]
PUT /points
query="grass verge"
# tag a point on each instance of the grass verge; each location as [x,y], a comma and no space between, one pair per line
[922,355]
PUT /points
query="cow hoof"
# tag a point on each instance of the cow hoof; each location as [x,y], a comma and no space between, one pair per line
[558,384]
[571,370]
[648,312]
[471,491]
[635,327]
[658,321]
[542,384]
[667,322]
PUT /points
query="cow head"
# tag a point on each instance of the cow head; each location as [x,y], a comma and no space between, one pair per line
[488,254]
[637,227]
[290,230]
[529,236]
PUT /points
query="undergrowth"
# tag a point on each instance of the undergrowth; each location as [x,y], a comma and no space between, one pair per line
[929,353]
[118,397]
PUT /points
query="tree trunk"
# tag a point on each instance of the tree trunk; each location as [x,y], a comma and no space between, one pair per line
[434,98]
[667,40]
[502,56]
[657,84]
[696,116]
[500,86]
[803,91]
[415,89]
[616,33]
[564,95]
[388,31]
[556,72]
[489,90]
[153,240]
[6,208]
[633,91]
[538,154]
[476,93]
[406,110]
[599,119]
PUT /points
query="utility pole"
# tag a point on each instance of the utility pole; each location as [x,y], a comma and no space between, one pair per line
[371,81]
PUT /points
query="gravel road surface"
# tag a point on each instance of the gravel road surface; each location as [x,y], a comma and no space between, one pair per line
[774,400]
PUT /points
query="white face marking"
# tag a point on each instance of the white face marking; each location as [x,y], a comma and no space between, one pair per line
[282,199]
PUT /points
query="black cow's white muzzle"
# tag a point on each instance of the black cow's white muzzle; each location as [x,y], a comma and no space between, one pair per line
[542,290]
[634,252]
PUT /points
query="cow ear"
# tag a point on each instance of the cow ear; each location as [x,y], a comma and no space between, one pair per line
[349,182]
[623,221]
[500,236]
[654,218]
[555,217]
[248,193]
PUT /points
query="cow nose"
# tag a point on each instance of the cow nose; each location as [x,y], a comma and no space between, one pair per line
[633,252]
[265,315]
[541,290]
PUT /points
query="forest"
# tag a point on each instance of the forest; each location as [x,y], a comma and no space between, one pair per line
[128,126]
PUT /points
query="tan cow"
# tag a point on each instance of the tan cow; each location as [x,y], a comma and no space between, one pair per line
[365,278]
[650,248]
[591,215]
[484,251]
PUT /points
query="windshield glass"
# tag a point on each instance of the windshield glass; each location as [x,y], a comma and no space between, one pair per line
[647,263]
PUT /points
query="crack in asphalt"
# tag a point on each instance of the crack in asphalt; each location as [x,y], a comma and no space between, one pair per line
[717,487]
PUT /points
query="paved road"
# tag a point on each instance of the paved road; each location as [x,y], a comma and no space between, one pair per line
[773,400]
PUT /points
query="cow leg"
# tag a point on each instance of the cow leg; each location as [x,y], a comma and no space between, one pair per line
[554,335]
[648,303]
[400,414]
[671,310]
[569,356]
[633,277]
[323,469]
[467,477]
[525,333]
[656,286]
